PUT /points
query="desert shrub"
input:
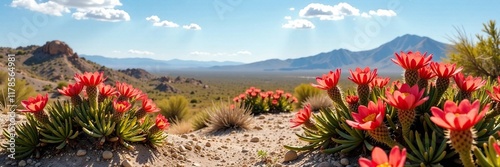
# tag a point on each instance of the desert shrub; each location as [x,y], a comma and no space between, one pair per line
[304,91]
[47,87]
[261,102]
[319,102]
[181,127]
[175,108]
[22,92]
[62,84]
[201,118]
[223,117]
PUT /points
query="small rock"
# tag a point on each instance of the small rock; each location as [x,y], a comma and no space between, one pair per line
[126,163]
[217,158]
[290,156]
[337,164]
[107,155]
[254,139]
[208,144]
[344,161]
[22,163]
[197,147]
[188,147]
[29,161]
[260,128]
[38,164]
[81,153]
[324,164]
[224,146]
[261,117]
[244,150]
[184,136]
[179,165]
[196,164]
[182,148]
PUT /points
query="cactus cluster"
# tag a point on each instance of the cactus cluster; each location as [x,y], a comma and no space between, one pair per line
[259,101]
[437,115]
[121,114]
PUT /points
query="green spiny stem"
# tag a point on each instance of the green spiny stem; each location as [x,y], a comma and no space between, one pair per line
[336,95]
[441,86]
[76,100]
[140,114]
[364,94]
[42,117]
[310,125]
[464,95]
[353,107]
[462,142]
[411,77]
[117,116]
[92,93]
[154,130]
[381,134]
[406,118]
[422,83]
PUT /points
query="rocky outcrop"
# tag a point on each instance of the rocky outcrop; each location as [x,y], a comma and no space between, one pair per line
[165,87]
[57,47]
[138,73]
[180,79]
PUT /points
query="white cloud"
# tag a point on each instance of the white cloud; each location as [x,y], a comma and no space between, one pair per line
[102,14]
[291,9]
[158,23]
[49,7]
[327,12]
[245,52]
[288,18]
[140,52]
[82,4]
[299,24]
[116,51]
[192,26]
[339,11]
[102,10]
[197,53]
[153,18]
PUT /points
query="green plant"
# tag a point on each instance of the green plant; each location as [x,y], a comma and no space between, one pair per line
[26,140]
[261,102]
[305,91]
[319,102]
[223,116]
[175,108]
[61,84]
[60,130]
[22,92]
[201,118]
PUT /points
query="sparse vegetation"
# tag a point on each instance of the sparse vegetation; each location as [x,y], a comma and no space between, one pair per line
[319,102]
[304,91]
[201,118]
[181,127]
[175,108]
[223,116]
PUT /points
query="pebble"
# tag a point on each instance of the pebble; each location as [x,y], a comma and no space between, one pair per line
[197,147]
[337,164]
[126,163]
[208,144]
[107,155]
[244,150]
[184,136]
[261,117]
[254,139]
[81,153]
[182,148]
[290,156]
[38,164]
[344,161]
[324,164]
[188,147]
[260,128]
[196,164]
[30,161]
[22,163]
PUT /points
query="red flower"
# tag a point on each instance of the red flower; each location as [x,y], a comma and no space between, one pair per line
[243,96]
[406,98]
[302,116]
[294,100]
[288,95]
[263,95]
[352,99]
[36,104]
[280,92]
[426,73]
[379,82]
[276,96]
[149,106]
[275,102]
[495,95]
[328,81]
[461,117]
[269,93]
[121,106]
[362,77]
[127,90]
[107,90]
[236,99]
[468,84]
[497,148]
[90,79]
[162,122]
[444,70]
[379,158]
[412,60]
[71,90]
[368,118]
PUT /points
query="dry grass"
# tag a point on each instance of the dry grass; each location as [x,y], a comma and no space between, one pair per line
[222,117]
[200,119]
[319,102]
[181,127]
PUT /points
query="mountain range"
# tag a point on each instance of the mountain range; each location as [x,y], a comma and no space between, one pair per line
[342,58]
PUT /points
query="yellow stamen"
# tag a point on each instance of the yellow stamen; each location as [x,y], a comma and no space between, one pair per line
[370,117]
[386,164]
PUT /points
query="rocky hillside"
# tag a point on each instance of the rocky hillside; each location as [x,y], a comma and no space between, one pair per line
[45,67]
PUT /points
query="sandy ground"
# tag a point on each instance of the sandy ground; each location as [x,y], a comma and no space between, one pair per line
[229,148]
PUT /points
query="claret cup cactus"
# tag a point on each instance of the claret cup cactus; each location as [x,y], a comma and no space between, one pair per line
[437,115]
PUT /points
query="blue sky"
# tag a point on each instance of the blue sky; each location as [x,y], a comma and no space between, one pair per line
[233,30]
